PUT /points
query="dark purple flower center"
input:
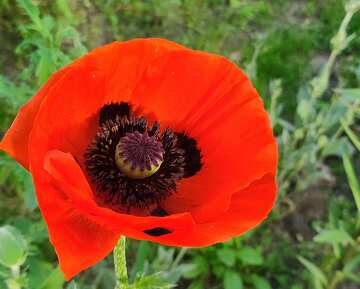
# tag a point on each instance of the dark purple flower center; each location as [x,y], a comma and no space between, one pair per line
[133,163]
[139,155]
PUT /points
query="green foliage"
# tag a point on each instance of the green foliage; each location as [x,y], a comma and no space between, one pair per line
[153,281]
[47,38]
[303,58]
[226,256]
[232,280]
[353,181]
[19,180]
[250,256]
[334,236]
[318,276]
[13,247]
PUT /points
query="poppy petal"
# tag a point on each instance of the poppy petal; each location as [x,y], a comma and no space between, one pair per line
[67,119]
[241,142]
[78,226]
[15,141]
[68,177]
[248,208]
[216,104]
[79,241]
[69,114]
[126,63]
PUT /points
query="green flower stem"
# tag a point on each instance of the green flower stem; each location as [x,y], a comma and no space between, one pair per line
[120,264]
[339,42]
[13,283]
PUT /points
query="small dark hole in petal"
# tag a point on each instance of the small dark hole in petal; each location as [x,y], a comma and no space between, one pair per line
[111,110]
[156,232]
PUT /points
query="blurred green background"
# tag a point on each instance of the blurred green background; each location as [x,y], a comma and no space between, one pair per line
[304,59]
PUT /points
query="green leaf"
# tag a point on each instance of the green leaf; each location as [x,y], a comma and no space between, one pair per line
[352,179]
[337,147]
[45,66]
[351,94]
[319,277]
[199,267]
[13,93]
[142,251]
[226,256]
[153,281]
[355,140]
[197,285]
[31,10]
[38,271]
[64,8]
[232,280]
[333,236]
[174,274]
[34,14]
[28,194]
[350,268]
[54,281]
[305,109]
[13,247]
[72,285]
[260,282]
[22,180]
[250,256]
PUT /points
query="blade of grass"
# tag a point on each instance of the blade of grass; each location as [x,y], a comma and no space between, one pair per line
[142,252]
[355,140]
[319,278]
[353,181]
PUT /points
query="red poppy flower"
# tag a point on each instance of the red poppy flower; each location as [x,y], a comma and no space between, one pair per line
[150,140]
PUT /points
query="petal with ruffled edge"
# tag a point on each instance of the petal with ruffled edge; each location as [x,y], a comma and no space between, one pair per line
[82,233]
[15,141]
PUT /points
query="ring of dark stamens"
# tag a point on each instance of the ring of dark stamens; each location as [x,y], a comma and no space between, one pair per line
[110,111]
[181,159]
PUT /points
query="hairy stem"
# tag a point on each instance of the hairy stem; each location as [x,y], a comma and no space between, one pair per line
[120,264]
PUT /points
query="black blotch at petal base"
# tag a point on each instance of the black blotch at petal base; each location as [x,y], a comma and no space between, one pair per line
[156,232]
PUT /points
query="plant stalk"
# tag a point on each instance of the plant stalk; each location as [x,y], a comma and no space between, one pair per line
[120,264]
